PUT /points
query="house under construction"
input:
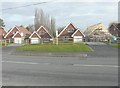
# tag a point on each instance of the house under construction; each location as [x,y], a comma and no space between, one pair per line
[97,33]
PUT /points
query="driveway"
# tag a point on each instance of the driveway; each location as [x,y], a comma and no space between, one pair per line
[10,48]
[103,50]
[98,69]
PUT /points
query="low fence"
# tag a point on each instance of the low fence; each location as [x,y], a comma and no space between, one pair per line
[5,42]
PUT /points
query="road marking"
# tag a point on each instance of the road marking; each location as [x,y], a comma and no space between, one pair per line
[33,63]
[115,66]
[81,65]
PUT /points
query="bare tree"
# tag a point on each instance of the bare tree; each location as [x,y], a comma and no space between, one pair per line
[37,19]
[60,29]
[42,19]
[53,27]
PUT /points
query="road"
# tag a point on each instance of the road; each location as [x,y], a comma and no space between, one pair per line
[98,69]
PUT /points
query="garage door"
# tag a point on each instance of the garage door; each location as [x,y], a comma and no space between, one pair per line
[35,40]
[18,40]
[78,39]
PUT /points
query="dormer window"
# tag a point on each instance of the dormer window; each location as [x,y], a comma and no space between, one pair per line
[70,30]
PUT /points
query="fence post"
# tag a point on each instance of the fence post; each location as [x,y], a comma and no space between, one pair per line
[56,40]
[5,43]
[9,40]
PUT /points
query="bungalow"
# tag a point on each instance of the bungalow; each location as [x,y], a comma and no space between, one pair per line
[2,33]
[40,36]
[17,34]
[70,33]
[114,29]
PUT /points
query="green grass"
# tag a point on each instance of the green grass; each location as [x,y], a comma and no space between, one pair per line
[70,47]
[116,45]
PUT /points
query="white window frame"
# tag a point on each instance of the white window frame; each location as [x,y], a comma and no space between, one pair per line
[70,30]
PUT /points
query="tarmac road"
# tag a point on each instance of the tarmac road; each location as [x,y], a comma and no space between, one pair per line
[98,69]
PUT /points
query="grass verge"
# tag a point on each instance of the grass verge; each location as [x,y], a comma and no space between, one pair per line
[80,47]
[116,45]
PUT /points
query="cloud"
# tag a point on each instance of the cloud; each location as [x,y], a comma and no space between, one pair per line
[85,14]
[17,19]
[20,18]
[86,1]
[82,13]
[25,0]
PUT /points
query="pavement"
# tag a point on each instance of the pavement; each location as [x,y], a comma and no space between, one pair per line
[97,69]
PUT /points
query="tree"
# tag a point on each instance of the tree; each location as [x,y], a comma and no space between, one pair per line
[21,26]
[42,19]
[30,28]
[60,29]
[53,27]
[2,23]
[39,16]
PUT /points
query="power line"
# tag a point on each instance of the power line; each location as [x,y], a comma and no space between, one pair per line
[24,6]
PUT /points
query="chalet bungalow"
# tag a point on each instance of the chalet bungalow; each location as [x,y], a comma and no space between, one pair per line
[17,34]
[40,36]
[70,34]
[2,33]
[114,29]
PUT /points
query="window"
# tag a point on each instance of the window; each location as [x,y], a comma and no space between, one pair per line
[66,37]
[14,32]
[70,30]
[46,39]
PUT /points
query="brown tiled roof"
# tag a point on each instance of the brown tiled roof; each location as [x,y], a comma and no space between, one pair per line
[117,25]
[24,30]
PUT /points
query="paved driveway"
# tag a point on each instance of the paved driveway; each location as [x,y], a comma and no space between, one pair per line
[10,48]
[98,69]
[104,50]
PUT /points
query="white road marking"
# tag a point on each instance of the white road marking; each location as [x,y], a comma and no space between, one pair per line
[96,65]
[23,62]
[82,65]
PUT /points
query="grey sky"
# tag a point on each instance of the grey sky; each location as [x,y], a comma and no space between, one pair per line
[82,14]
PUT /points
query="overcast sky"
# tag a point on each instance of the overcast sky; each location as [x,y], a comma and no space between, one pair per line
[81,14]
